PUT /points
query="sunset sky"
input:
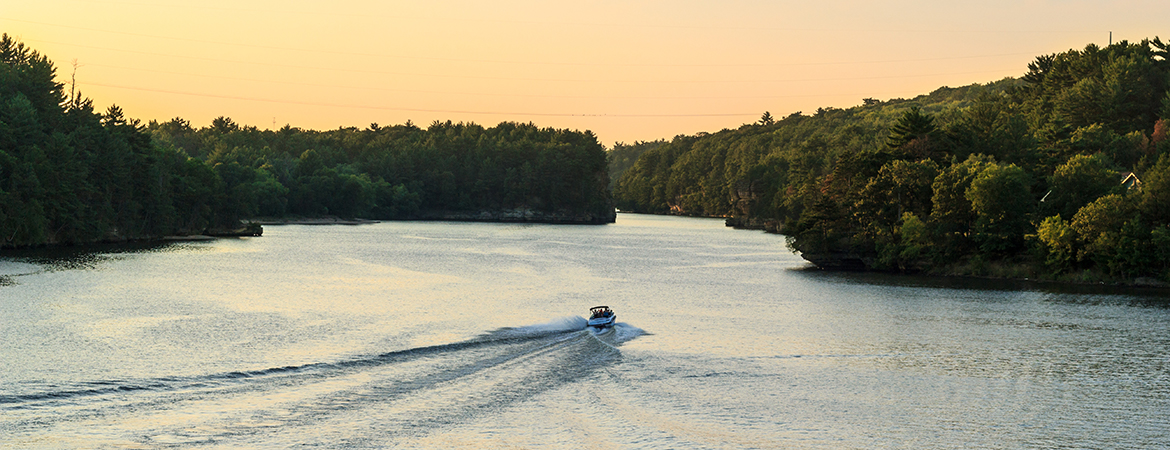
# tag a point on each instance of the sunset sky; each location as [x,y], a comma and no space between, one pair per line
[627,70]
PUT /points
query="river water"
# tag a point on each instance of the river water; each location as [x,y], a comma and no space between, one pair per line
[442,335]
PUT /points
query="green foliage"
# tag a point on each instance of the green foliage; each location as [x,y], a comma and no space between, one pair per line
[913,125]
[1119,86]
[952,215]
[71,175]
[1110,237]
[993,126]
[402,171]
[1059,241]
[621,157]
[1160,242]
[822,229]
[1002,202]
[900,187]
[914,235]
[1154,200]
[1165,112]
[703,175]
[952,180]
[1079,181]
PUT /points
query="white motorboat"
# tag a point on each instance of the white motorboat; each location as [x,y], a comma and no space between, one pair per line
[601,317]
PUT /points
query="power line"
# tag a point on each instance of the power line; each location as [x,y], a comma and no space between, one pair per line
[547,63]
[254,80]
[480,77]
[513,78]
[391,108]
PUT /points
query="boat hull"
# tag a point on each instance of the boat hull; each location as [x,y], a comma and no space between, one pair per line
[603,322]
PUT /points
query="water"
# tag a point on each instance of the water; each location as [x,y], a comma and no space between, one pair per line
[441,335]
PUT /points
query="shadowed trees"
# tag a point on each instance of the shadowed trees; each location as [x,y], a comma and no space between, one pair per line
[1025,175]
[71,175]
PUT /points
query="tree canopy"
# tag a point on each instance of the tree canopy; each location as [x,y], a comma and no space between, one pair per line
[1023,175]
[71,175]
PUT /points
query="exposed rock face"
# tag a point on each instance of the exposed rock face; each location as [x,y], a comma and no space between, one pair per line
[522,215]
[748,223]
[745,197]
[248,229]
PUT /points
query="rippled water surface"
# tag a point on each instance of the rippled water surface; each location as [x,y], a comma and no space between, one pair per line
[441,335]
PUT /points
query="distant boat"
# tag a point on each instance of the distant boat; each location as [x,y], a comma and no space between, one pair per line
[601,317]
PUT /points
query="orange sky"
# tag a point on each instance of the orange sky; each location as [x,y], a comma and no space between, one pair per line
[627,70]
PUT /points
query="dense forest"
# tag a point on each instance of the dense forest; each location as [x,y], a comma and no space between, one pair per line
[69,174]
[403,171]
[1063,174]
[623,156]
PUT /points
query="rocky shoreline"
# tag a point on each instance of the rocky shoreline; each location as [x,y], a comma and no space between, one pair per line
[743,223]
[329,220]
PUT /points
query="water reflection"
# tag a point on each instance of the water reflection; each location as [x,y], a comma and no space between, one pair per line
[362,336]
[1095,294]
[90,257]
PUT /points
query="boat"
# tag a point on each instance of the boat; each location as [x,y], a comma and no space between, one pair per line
[601,317]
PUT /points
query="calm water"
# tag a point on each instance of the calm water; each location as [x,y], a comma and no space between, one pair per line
[440,335]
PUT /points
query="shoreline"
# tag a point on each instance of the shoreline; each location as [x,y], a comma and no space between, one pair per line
[253,227]
[853,264]
[947,273]
[518,215]
[310,221]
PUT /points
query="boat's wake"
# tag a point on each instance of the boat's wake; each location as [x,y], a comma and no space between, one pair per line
[400,392]
[617,334]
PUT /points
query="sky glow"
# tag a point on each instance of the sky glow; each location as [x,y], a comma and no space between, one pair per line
[627,70]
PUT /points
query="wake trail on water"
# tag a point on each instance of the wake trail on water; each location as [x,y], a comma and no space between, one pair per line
[405,391]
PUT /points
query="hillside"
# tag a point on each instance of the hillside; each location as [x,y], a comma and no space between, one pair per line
[1019,177]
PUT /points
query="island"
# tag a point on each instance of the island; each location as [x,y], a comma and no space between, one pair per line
[71,175]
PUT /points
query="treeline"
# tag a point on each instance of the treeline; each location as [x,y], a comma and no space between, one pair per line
[69,174]
[400,172]
[623,156]
[1063,174]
